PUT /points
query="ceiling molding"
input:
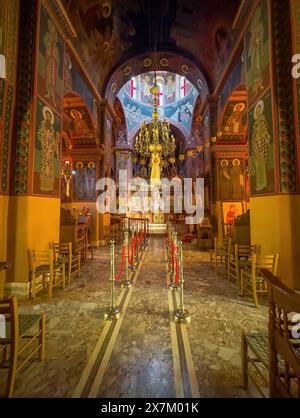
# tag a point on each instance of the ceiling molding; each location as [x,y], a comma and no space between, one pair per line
[57,10]
[242,15]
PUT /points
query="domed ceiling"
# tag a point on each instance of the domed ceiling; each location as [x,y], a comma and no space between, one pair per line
[176,101]
[111,32]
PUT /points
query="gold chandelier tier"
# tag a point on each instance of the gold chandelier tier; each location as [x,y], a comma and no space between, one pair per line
[155,136]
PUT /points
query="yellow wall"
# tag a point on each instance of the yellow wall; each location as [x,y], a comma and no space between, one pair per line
[275,225]
[3,230]
[32,223]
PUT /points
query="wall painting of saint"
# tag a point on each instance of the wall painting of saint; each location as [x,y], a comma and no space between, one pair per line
[50,63]
[257,53]
[47,151]
[261,147]
[231,179]
[234,123]
[84,181]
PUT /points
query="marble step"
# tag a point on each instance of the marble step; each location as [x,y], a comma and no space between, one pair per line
[158,229]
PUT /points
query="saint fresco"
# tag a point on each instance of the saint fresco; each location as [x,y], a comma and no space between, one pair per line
[234,123]
[258,54]
[47,151]
[231,180]
[84,181]
[261,147]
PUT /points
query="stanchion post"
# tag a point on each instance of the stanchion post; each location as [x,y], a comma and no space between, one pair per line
[182,316]
[169,239]
[127,283]
[133,258]
[137,243]
[144,233]
[172,271]
[112,312]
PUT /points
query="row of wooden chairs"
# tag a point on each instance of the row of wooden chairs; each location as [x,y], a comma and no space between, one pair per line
[45,272]
[114,233]
[83,246]
[243,264]
[252,281]
[274,356]
[21,337]
[63,253]
[48,269]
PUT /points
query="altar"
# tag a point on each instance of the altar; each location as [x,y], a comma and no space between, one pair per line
[158,218]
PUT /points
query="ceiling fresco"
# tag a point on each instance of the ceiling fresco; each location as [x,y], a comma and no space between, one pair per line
[111,32]
[176,101]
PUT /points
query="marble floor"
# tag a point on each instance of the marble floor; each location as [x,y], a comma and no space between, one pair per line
[142,362]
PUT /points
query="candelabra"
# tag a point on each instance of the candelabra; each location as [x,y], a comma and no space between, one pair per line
[155,137]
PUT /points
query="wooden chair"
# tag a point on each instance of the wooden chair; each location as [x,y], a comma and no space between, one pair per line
[45,272]
[229,258]
[3,266]
[80,241]
[107,234]
[252,281]
[255,357]
[275,355]
[114,233]
[63,254]
[219,253]
[119,233]
[284,338]
[25,336]
[2,282]
[88,245]
[240,260]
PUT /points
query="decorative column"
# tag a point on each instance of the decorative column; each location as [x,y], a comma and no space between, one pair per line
[275,200]
[105,117]
[34,207]
[9,22]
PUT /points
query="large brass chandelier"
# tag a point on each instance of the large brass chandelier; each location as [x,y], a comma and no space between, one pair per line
[155,140]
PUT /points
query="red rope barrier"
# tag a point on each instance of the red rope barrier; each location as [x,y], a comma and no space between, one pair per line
[130,255]
[118,277]
[172,254]
[133,245]
[139,238]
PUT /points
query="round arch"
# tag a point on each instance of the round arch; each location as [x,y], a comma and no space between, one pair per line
[163,61]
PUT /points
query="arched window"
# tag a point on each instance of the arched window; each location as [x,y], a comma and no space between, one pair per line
[133,88]
[183,87]
[161,84]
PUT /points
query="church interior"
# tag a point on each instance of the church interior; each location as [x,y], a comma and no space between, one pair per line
[100,298]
